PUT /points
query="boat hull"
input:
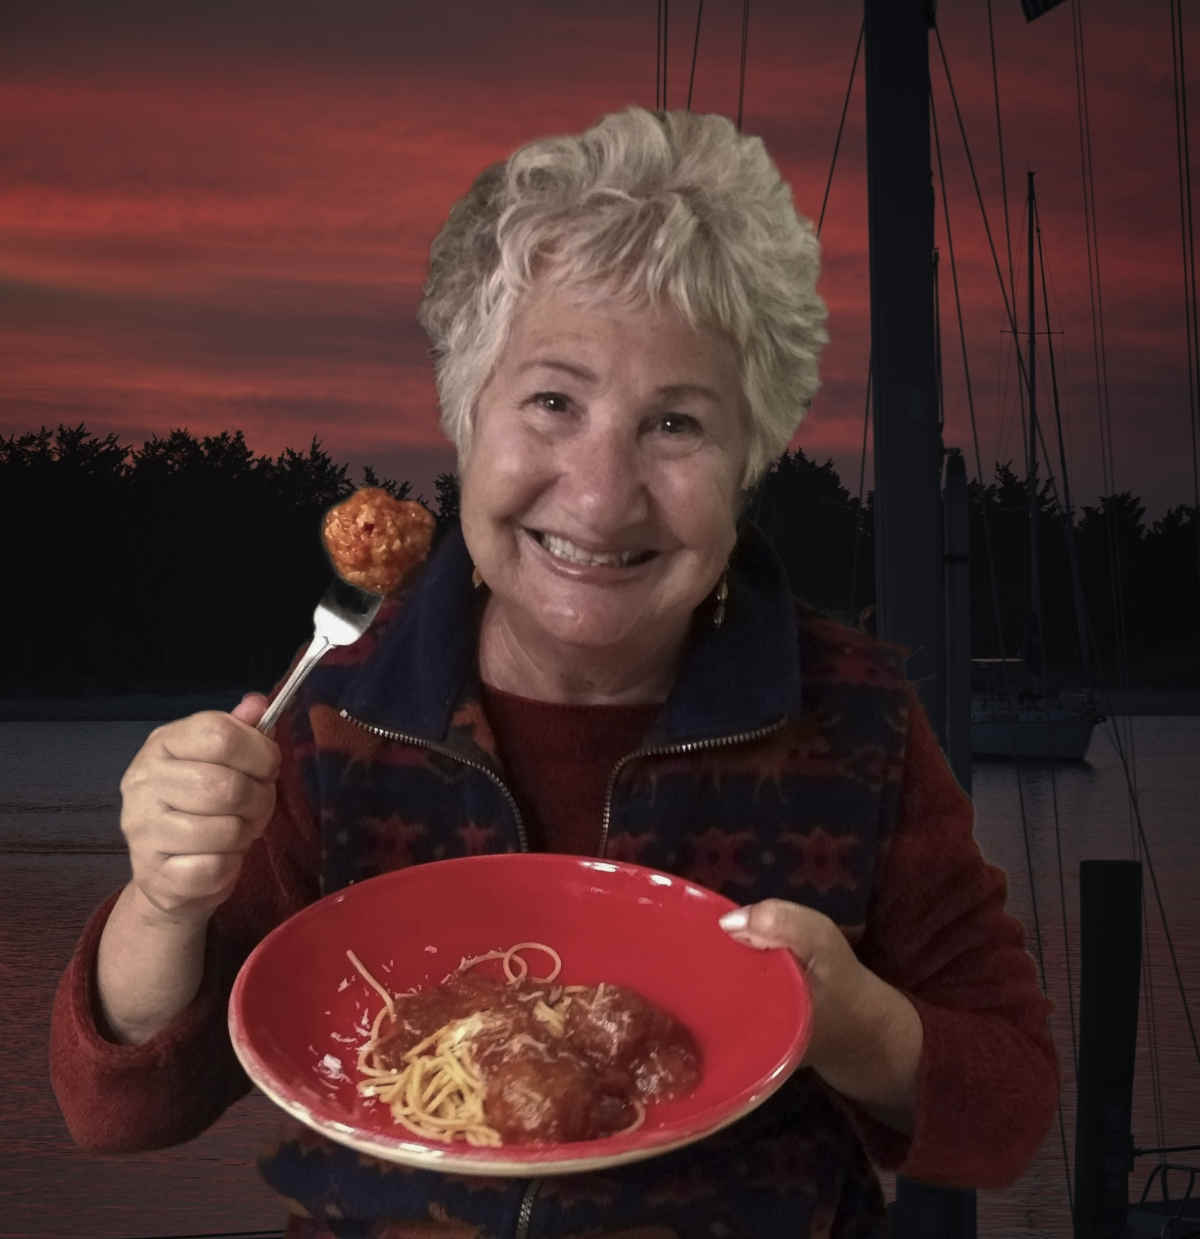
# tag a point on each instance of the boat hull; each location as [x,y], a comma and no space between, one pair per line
[1032,734]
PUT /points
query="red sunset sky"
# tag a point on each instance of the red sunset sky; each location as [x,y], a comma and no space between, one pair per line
[218,216]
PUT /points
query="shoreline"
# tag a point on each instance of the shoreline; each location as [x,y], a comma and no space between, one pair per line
[144,707]
[153,707]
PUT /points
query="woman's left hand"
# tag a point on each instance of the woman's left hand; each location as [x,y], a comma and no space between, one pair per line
[839,983]
[866,1035]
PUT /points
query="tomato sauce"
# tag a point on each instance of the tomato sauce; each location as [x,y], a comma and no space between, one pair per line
[558,1063]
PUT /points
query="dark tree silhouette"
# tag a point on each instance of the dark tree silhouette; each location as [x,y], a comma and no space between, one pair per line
[1169,584]
[193,563]
[61,496]
[445,488]
[819,530]
[398,490]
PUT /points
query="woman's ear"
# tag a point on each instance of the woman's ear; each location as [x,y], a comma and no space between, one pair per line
[748,505]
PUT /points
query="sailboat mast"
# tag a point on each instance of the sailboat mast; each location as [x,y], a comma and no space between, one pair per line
[909,537]
[909,594]
[1035,641]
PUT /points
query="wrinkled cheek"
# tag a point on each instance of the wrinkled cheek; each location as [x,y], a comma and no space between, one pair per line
[488,497]
[722,535]
[509,480]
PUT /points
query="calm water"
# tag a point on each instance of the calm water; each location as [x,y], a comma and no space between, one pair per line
[60,851]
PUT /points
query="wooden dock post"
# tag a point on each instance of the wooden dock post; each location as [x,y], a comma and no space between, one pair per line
[1110,909]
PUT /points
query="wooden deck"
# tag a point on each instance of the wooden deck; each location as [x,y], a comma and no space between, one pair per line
[48,1188]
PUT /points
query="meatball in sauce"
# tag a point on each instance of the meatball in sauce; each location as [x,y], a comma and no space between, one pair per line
[374,541]
[559,1063]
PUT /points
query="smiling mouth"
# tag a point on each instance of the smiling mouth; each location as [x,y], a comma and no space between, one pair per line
[563,548]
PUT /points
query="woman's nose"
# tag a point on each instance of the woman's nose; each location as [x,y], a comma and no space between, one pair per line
[603,477]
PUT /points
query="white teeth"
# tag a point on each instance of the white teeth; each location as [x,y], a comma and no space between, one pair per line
[562,549]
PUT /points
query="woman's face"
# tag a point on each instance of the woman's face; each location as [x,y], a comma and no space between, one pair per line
[599,495]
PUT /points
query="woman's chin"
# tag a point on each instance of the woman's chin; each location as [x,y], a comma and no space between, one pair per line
[596,632]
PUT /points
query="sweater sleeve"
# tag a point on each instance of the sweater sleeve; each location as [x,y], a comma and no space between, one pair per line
[987,1084]
[121,1098]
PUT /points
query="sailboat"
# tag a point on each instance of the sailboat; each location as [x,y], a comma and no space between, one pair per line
[1023,723]
[1015,711]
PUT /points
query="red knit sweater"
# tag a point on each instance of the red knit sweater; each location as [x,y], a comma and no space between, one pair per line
[559,758]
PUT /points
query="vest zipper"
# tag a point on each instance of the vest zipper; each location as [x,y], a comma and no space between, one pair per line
[526,1211]
[384,734]
[669,750]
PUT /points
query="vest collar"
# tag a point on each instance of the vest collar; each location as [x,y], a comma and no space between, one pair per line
[736,678]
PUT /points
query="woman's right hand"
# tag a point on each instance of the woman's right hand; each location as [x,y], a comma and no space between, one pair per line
[193,800]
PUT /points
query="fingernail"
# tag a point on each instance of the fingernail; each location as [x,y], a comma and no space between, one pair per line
[731,922]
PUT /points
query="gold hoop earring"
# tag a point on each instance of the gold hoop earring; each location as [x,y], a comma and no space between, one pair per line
[722,598]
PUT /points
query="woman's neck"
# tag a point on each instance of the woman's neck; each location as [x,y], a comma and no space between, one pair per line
[574,675]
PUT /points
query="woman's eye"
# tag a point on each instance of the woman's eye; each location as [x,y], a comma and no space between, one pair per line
[552,401]
[674,424]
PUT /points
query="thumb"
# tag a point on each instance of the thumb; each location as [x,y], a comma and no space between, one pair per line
[250,709]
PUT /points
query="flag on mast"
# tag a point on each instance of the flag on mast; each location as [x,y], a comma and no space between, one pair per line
[1035,8]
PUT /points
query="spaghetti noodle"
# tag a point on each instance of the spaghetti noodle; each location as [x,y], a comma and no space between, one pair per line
[492,1061]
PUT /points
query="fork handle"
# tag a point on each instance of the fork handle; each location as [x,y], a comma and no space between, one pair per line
[313,655]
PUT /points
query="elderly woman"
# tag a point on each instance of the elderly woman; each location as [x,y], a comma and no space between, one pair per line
[604,660]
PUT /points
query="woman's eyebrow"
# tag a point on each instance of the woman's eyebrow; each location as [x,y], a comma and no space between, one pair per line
[669,391]
[555,363]
[682,391]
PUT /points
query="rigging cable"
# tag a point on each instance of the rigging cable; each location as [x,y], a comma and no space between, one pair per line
[1109,505]
[660,59]
[1025,831]
[1068,528]
[1128,762]
[1050,485]
[1147,979]
[1183,160]
[860,518]
[1025,376]
[1068,511]
[1162,912]
[938,370]
[1062,905]
[695,53]
[962,342]
[987,228]
[1095,287]
[1012,280]
[1081,618]
[1141,845]
[837,143]
[742,67]
[859,522]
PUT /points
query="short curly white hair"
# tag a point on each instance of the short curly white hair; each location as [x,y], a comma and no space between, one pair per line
[642,207]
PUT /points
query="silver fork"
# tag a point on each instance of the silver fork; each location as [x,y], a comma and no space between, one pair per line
[342,616]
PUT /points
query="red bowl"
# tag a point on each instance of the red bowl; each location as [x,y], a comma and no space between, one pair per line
[299,1010]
